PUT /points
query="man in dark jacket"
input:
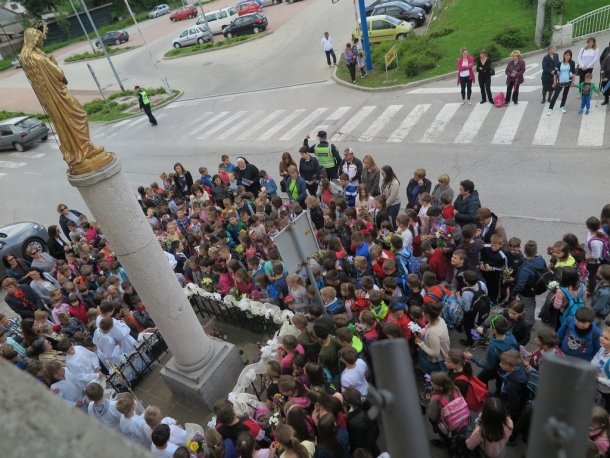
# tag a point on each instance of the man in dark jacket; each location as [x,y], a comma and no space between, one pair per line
[309,169]
[605,75]
[327,155]
[489,224]
[467,204]
[351,166]
[247,176]
[527,275]
[144,102]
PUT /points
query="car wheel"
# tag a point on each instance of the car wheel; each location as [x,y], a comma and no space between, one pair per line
[19,147]
[32,242]
[172,19]
[177,45]
[44,139]
[117,42]
[229,35]
[256,30]
[200,40]
[401,36]
[413,22]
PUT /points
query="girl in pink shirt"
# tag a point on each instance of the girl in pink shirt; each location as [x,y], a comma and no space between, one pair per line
[493,429]
[598,431]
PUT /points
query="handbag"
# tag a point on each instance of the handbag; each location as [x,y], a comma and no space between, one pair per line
[492,71]
[283,184]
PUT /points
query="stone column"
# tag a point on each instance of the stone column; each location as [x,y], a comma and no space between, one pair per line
[201,367]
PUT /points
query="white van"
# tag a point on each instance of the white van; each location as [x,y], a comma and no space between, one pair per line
[218,20]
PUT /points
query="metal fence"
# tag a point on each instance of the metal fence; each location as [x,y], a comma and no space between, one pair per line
[593,22]
[208,307]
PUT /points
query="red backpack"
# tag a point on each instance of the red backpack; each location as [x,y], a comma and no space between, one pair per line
[477,392]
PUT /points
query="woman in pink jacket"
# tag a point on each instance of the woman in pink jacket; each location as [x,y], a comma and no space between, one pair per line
[465,66]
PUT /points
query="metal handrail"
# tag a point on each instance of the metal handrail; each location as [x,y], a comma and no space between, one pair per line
[593,22]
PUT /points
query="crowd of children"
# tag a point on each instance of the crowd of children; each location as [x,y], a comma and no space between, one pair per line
[439,268]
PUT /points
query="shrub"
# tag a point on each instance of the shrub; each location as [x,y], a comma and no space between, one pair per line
[511,38]
[442,32]
[493,51]
[413,65]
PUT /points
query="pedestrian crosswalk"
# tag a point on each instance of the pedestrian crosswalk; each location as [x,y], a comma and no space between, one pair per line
[524,124]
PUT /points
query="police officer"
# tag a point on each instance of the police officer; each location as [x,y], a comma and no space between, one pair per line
[327,154]
[145,105]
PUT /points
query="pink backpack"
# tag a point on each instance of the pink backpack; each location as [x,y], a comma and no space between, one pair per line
[499,99]
[455,414]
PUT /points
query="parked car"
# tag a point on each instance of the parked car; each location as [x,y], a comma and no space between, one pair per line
[16,63]
[245,25]
[22,132]
[185,12]
[193,35]
[383,28]
[159,10]
[16,238]
[248,7]
[219,19]
[402,11]
[114,37]
[425,5]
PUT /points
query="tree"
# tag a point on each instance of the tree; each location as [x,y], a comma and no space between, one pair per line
[37,7]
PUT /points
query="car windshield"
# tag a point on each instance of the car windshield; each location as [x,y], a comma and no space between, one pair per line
[27,123]
[393,20]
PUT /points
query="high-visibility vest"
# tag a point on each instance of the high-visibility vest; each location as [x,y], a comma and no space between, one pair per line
[145,99]
[324,156]
[293,190]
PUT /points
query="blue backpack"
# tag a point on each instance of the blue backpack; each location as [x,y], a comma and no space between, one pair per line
[574,303]
[452,309]
[407,263]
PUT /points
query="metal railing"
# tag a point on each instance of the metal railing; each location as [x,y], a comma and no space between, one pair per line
[593,22]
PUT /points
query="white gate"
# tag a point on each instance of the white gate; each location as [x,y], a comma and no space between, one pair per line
[593,22]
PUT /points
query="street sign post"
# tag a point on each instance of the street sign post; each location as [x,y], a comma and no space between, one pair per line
[366,45]
[390,56]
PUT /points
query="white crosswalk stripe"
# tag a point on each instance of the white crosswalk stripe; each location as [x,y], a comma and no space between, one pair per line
[440,122]
[303,124]
[350,125]
[505,134]
[379,123]
[11,164]
[28,155]
[256,127]
[198,119]
[209,122]
[327,123]
[591,131]
[548,128]
[238,125]
[281,124]
[408,123]
[473,123]
[221,125]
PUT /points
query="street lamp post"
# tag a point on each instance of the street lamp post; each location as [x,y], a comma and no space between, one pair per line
[97,34]
[82,26]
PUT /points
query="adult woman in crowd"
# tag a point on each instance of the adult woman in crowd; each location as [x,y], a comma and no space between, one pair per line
[247,176]
[21,298]
[286,162]
[183,180]
[65,215]
[370,176]
[40,259]
[351,57]
[42,284]
[57,246]
[42,350]
[563,79]
[465,65]
[417,185]
[435,343]
[485,71]
[586,58]
[16,268]
[549,63]
[441,189]
[296,187]
[514,77]
[309,169]
[390,187]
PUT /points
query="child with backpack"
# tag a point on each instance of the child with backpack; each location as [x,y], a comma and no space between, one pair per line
[598,431]
[515,315]
[492,430]
[547,343]
[476,304]
[597,251]
[570,295]
[579,336]
[447,411]
[601,299]
[460,371]
[601,361]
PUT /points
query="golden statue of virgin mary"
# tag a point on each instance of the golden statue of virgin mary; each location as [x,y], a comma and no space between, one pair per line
[69,118]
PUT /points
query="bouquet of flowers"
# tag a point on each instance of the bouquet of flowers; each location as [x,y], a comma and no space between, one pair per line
[196,445]
[553,285]
[208,284]
[235,293]
[443,235]
[507,274]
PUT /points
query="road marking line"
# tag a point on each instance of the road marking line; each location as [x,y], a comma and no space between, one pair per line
[122,123]
[221,125]
[281,124]
[28,155]
[591,131]
[199,119]
[207,123]
[352,123]
[266,120]
[548,128]
[303,123]
[408,123]
[506,131]
[133,123]
[11,164]
[379,123]
[335,116]
[440,122]
[474,122]
[36,174]
[244,122]
[453,90]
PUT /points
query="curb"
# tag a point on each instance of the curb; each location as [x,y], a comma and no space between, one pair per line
[412,84]
[123,51]
[160,105]
[202,51]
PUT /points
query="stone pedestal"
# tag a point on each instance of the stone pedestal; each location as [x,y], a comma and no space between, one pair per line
[107,194]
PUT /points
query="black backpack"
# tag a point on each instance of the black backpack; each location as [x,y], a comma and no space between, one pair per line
[481,304]
[544,277]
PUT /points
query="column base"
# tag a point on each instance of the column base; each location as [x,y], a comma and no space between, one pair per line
[210,383]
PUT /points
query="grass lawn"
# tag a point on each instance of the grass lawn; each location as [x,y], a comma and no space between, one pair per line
[110,110]
[196,49]
[97,54]
[15,114]
[576,8]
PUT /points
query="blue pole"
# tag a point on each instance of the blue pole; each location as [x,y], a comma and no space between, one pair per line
[366,45]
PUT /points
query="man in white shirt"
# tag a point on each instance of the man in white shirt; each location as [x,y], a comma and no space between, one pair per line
[327,45]
[355,373]
[131,424]
[161,446]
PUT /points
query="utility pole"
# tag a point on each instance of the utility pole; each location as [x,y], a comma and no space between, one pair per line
[539,22]
[97,34]
[366,45]
[82,26]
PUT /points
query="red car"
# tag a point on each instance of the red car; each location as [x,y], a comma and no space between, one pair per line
[185,12]
[248,7]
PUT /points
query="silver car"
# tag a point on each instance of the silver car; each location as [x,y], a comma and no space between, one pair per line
[159,10]
[16,238]
[193,35]
[22,132]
